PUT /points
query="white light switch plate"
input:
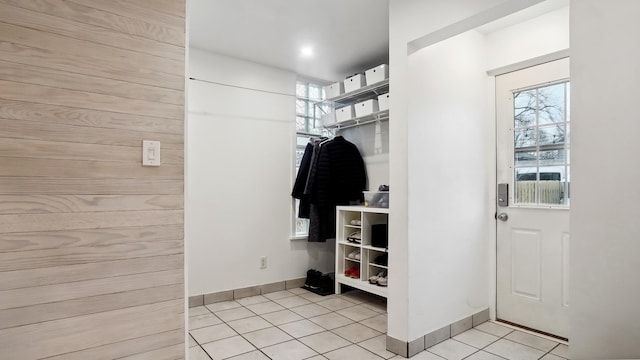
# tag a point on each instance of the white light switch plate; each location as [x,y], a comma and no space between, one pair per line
[150,153]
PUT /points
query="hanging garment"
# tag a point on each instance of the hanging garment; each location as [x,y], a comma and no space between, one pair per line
[301,182]
[338,178]
[341,175]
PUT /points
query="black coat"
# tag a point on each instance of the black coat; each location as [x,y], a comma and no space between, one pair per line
[338,178]
[301,182]
[340,173]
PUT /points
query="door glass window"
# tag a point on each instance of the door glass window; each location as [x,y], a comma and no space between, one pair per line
[541,145]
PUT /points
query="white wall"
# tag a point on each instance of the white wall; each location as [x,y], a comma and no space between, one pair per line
[544,34]
[605,201]
[239,178]
[375,155]
[451,160]
[410,20]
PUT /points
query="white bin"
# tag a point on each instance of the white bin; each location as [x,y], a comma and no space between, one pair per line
[383,102]
[345,113]
[328,119]
[333,90]
[366,107]
[377,74]
[353,83]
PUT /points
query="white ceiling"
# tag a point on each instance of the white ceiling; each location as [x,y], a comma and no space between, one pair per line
[346,36]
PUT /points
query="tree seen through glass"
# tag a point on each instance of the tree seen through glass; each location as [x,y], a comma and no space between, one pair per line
[541,145]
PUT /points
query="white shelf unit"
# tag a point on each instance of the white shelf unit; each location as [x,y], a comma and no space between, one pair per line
[368,216]
[364,93]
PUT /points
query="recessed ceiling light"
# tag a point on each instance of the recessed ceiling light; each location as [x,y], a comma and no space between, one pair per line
[306,51]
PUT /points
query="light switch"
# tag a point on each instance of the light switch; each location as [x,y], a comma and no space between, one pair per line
[150,153]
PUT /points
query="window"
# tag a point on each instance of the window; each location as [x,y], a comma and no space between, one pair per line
[308,114]
[308,124]
[541,145]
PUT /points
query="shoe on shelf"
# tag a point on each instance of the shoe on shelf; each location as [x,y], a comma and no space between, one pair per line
[382,259]
[354,272]
[355,237]
[348,272]
[352,254]
[382,280]
[356,256]
[374,279]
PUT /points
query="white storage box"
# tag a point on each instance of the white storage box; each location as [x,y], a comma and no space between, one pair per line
[383,102]
[378,199]
[328,119]
[367,107]
[377,74]
[353,83]
[345,113]
[333,90]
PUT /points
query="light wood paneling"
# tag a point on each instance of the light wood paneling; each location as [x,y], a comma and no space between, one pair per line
[53,114]
[117,350]
[114,23]
[28,167]
[22,260]
[39,204]
[32,130]
[73,98]
[88,288]
[82,332]
[38,149]
[14,223]
[175,8]
[137,10]
[62,274]
[87,238]
[41,21]
[91,242]
[36,75]
[34,185]
[172,352]
[38,48]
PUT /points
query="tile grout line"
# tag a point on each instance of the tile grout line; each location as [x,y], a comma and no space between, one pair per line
[482,348]
[308,319]
[516,342]
[549,352]
[373,307]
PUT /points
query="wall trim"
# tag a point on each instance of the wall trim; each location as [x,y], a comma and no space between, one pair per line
[470,23]
[410,348]
[228,295]
[538,60]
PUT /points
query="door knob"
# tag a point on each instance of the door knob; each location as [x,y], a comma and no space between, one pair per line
[503,216]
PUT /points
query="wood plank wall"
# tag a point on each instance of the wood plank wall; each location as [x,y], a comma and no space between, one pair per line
[91,242]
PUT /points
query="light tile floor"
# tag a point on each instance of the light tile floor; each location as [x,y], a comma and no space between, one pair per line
[296,325]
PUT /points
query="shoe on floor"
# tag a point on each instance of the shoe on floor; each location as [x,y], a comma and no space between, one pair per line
[312,278]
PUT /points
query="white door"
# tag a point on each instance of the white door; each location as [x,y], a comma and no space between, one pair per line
[532,109]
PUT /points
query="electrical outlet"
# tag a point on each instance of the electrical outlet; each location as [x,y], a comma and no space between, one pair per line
[263,262]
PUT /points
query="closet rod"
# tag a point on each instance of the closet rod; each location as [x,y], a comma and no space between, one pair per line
[304,133]
[242,87]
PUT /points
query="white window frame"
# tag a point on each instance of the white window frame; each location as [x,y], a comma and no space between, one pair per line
[312,127]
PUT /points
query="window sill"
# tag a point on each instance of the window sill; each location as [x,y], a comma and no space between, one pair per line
[298,237]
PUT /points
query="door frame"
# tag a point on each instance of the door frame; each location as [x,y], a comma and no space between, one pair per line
[493,236]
